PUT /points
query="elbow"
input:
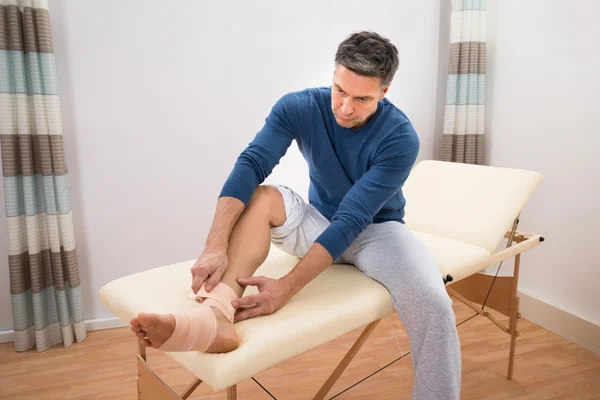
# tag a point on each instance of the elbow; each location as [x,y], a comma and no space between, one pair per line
[252,161]
[352,224]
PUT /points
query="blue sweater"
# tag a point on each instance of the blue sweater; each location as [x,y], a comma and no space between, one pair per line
[356,175]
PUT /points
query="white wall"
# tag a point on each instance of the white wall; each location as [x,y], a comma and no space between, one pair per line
[159,100]
[542,114]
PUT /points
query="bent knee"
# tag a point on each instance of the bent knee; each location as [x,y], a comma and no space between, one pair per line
[438,304]
[268,200]
[429,304]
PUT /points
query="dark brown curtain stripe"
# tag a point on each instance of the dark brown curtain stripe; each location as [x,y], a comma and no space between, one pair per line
[463,148]
[37,33]
[59,167]
[18,270]
[9,149]
[42,156]
[4,32]
[11,30]
[467,58]
[29,154]
[47,264]
[71,268]
[27,31]
[57,271]
[43,270]
[25,155]
[36,268]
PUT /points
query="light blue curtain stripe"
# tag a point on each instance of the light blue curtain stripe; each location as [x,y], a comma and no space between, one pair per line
[63,308]
[42,67]
[30,73]
[464,5]
[13,196]
[41,314]
[465,89]
[47,307]
[9,69]
[49,195]
[56,187]
[31,195]
[75,297]
[22,310]
[51,307]
[39,193]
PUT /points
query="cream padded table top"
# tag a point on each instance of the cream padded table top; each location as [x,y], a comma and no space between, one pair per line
[338,301]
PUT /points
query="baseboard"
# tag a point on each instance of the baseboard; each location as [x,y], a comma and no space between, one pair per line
[104,323]
[567,325]
[8,336]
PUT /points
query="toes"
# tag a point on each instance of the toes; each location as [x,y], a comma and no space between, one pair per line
[135,322]
[136,329]
[141,335]
[146,342]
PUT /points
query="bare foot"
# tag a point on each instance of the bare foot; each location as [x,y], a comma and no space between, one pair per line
[154,329]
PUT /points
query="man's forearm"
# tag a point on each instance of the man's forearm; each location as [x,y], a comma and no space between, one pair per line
[316,261]
[227,213]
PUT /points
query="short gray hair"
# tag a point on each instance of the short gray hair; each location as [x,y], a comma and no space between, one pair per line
[369,54]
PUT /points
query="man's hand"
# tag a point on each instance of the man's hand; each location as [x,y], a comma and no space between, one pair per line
[273,294]
[209,267]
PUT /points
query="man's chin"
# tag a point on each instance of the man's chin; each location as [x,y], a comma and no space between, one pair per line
[345,123]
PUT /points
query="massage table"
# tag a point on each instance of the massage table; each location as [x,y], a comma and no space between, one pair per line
[462,212]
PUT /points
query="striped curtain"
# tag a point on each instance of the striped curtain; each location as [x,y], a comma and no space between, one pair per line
[464,115]
[45,289]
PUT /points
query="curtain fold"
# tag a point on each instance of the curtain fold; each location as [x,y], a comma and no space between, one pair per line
[45,289]
[464,114]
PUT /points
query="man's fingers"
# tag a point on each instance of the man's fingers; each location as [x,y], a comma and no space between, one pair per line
[200,275]
[248,313]
[248,300]
[214,279]
[197,283]
[252,281]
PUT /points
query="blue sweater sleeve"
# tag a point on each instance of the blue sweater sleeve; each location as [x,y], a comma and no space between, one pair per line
[269,145]
[390,169]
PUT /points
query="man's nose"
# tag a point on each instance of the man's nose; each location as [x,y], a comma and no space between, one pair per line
[347,106]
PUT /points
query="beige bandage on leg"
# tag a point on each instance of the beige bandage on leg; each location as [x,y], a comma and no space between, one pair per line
[219,297]
[196,330]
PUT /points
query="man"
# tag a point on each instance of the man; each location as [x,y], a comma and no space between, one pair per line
[360,149]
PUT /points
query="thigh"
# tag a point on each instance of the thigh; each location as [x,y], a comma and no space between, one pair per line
[303,224]
[392,255]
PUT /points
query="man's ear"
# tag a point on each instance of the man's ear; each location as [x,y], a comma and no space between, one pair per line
[383,93]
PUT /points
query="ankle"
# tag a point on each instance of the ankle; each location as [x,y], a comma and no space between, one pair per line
[227,338]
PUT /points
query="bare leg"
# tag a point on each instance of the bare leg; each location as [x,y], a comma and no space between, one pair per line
[251,237]
[248,248]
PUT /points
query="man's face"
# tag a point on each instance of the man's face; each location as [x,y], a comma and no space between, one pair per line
[354,97]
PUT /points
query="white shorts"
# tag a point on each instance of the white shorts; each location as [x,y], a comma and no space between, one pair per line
[303,224]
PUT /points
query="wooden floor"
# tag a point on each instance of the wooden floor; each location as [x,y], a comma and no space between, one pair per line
[103,367]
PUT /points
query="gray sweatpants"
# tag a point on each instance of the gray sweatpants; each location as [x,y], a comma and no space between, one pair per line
[390,254]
